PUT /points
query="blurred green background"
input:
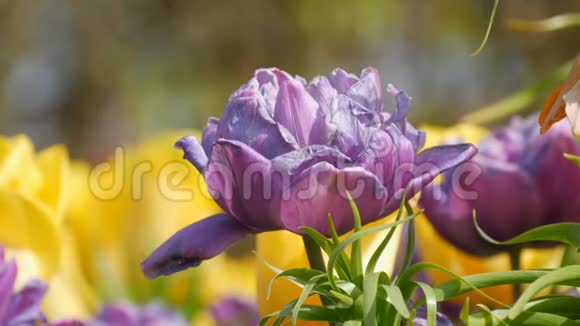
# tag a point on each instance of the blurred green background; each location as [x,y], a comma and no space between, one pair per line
[94,74]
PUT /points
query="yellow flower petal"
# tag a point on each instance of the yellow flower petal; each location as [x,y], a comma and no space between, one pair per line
[69,294]
[26,224]
[464,132]
[18,171]
[230,276]
[284,250]
[53,163]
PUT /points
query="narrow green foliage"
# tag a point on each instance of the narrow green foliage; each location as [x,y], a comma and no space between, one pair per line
[344,261]
[464,314]
[496,319]
[298,276]
[370,286]
[488,31]
[353,298]
[459,286]
[395,298]
[410,246]
[343,269]
[551,24]
[408,287]
[567,233]
[356,251]
[381,248]
[573,158]
[565,306]
[357,236]
[431,301]
[306,292]
[551,278]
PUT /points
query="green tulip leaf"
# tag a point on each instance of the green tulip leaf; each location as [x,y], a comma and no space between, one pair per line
[554,277]
[567,233]
[573,158]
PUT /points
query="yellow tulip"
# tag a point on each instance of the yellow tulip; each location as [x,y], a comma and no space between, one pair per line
[433,248]
[130,204]
[33,199]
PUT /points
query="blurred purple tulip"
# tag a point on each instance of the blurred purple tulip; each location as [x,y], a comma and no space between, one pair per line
[235,311]
[126,314]
[421,318]
[524,182]
[22,307]
[285,153]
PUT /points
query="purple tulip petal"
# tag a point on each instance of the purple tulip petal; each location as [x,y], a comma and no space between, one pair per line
[246,119]
[379,157]
[428,165]
[266,76]
[322,190]
[435,160]
[7,278]
[368,91]
[122,314]
[69,322]
[404,156]
[242,183]
[322,91]
[367,117]
[209,135]
[297,161]
[401,109]
[352,126]
[557,178]
[156,314]
[193,244]
[501,193]
[342,80]
[296,110]
[233,310]
[193,152]
[25,305]
[415,136]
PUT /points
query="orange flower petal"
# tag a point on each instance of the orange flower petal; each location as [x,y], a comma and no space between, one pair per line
[552,111]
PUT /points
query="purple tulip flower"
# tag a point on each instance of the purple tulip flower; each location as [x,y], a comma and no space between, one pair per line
[126,314]
[421,318]
[235,311]
[519,180]
[22,307]
[285,153]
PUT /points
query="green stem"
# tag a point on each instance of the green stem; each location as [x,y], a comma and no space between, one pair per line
[515,255]
[316,261]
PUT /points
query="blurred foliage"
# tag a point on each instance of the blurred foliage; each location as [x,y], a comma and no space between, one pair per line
[93,74]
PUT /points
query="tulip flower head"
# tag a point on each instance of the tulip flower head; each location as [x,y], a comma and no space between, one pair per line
[285,153]
[564,101]
[518,185]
